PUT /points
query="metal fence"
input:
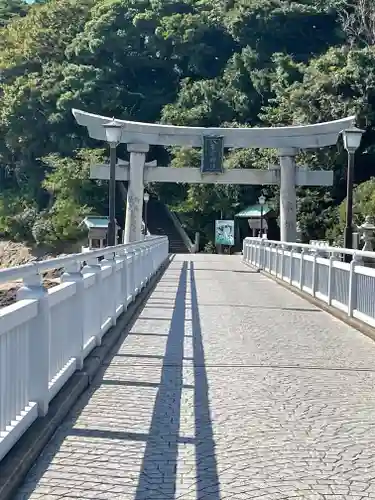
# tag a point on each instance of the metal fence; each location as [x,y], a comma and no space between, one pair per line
[46,334]
[321,272]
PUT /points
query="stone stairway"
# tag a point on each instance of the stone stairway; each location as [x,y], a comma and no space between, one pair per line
[159,223]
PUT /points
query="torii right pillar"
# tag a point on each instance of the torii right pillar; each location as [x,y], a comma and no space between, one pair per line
[288,199]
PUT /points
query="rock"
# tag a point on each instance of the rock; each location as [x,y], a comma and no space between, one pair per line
[8,296]
[15,254]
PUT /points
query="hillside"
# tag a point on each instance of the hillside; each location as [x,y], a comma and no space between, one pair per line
[208,63]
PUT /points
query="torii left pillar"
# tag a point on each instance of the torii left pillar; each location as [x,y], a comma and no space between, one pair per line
[288,199]
[134,205]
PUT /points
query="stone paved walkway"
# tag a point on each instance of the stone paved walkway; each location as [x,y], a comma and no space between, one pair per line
[228,386]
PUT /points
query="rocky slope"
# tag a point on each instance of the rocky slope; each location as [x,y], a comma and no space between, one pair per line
[16,254]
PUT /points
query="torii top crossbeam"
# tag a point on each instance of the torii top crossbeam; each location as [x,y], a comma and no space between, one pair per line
[297,136]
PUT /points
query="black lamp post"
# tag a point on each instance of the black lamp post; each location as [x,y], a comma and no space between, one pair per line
[262,201]
[352,140]
[146,199]
[113,131]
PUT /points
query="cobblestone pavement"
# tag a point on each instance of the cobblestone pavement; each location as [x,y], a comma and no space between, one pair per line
[228,386]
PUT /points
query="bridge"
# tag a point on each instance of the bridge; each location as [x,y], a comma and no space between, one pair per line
[144,375]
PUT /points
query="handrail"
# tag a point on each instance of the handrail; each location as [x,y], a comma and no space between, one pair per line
[317,248]
[19,272]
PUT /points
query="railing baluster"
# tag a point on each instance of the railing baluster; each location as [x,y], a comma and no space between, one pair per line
[40,340]
[352,301]
[93,266]
[73,274]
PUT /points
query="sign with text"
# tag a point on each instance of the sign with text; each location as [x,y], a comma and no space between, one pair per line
[224,232]
[213,153]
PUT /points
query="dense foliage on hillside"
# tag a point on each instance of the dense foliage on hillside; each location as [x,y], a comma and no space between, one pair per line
[206,62]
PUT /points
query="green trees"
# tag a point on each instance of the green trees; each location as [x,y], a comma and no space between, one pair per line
[248,62]
[9,9]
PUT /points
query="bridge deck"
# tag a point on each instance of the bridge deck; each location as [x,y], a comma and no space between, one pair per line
[228,386]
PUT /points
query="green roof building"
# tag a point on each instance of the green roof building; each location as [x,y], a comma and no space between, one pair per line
[97,227]
[253,215]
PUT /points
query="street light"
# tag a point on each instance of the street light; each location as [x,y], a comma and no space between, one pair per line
[262,201]
[146,199]
[352,140]
[113,132]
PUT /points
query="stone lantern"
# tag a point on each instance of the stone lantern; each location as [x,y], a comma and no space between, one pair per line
[368,236]
[368,232]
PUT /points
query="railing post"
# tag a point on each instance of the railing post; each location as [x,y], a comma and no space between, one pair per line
[124,278]
[146,269]
[160,249]
[153,245]
[155,250]
[119,260]
[140,266]
[131,272]
[352,302]
[282,262]
[272,258]
[153,256]
[276,260]
[93,266]
[269,255]
[72,273]
[302,270]
[128,275]
[39,347]
[330,279]
[163,253]
[137,274]
[262,254]
[253,253]
[291,265]
[314,273]
[110,260]
[244,250]
[146,265]
[143,265]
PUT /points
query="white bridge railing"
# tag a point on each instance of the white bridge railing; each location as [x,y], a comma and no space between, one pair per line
[321,271]
[46,334]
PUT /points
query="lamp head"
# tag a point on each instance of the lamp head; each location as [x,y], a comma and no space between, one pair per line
[262,200]
[113,132]
[352,138]
[146,197]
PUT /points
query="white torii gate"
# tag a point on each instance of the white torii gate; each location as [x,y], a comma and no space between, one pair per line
[287,140]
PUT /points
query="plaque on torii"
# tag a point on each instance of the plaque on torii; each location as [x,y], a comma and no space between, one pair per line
[212,154]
